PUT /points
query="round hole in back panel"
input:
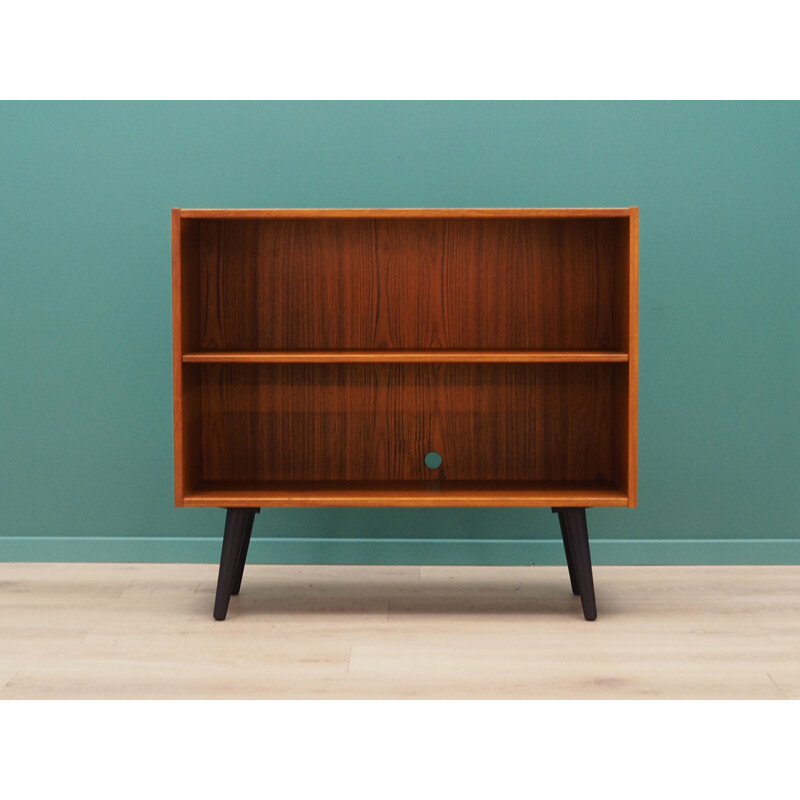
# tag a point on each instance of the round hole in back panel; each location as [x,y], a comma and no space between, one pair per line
[433,460]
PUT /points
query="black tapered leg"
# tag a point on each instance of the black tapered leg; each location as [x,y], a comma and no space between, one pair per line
[568,551]
[577,534]
[248,530]
[235,525]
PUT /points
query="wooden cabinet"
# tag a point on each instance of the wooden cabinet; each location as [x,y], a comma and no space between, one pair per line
[410,357]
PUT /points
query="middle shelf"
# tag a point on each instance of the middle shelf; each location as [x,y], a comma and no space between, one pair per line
[403,356]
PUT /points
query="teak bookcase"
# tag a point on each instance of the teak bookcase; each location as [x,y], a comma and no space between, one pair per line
[405,357]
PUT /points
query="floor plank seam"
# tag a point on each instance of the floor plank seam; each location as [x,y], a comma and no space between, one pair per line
[778,687]
[9,681]
[766,633]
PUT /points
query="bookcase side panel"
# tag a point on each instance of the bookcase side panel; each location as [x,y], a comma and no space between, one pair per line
[633,359]
[186,338]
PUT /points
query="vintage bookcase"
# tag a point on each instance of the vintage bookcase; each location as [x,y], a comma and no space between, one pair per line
[405,357]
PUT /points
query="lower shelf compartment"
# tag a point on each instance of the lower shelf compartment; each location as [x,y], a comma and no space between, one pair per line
[406,493]
[490,423]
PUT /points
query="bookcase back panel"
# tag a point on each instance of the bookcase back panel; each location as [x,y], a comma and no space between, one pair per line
[373,422]
[505,283]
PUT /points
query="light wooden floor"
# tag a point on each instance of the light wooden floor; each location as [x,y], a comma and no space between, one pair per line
[145,631]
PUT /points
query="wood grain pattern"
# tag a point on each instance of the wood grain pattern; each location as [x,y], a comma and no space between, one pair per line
[306,284]
[364,422]
[404,356]
[544,284]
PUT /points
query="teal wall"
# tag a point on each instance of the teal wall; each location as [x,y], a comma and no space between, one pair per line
[85,387]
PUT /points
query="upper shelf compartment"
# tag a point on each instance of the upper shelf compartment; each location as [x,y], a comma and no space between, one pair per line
[405,283]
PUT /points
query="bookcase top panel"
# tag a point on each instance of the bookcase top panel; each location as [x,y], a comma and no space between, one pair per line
[262,213]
